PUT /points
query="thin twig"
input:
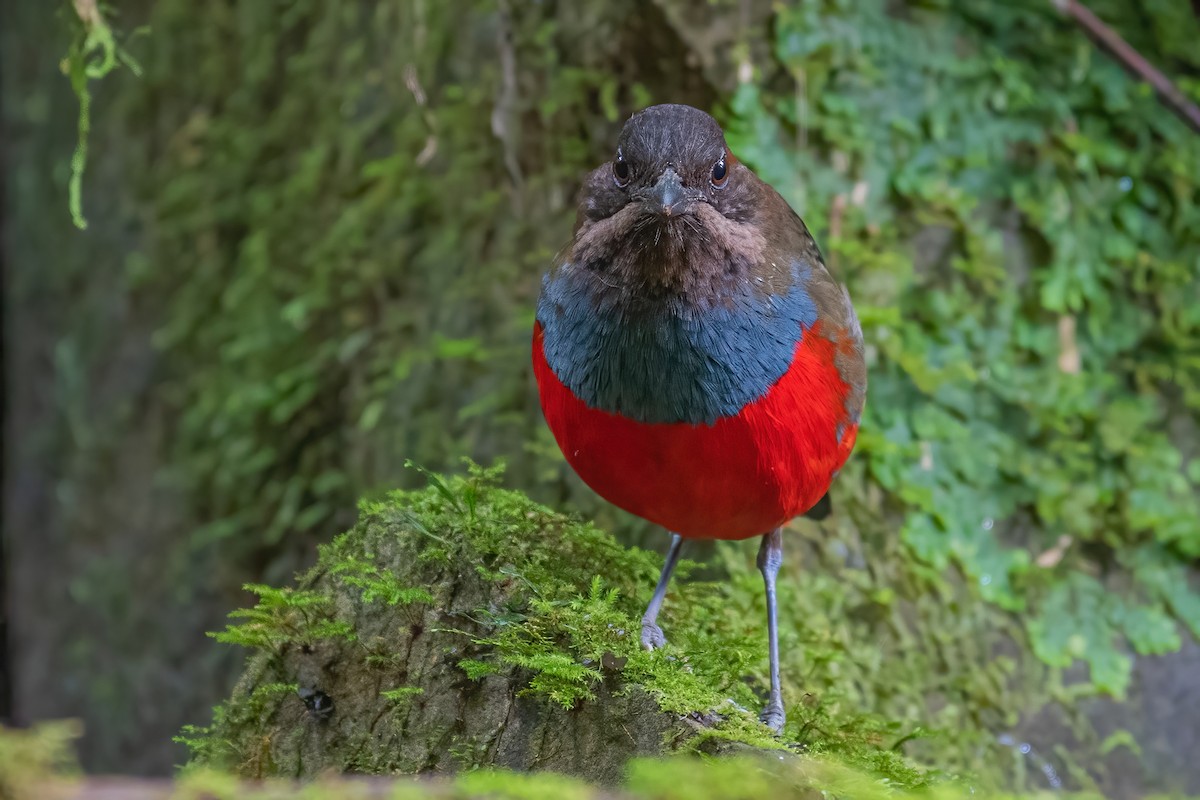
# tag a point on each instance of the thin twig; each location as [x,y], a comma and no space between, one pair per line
[1133,60]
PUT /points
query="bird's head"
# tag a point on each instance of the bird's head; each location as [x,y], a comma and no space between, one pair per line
[669,159]
[672,210]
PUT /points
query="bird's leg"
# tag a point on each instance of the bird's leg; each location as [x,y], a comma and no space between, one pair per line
[652,635]
[770,557]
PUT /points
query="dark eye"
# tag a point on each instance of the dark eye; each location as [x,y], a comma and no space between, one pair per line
[620,170]
[719,173]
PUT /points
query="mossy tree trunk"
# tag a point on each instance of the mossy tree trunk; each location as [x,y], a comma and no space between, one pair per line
[462,627]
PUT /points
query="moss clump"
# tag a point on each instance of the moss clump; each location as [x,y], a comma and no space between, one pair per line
[504,784]
[475,627]
[283,616]
[37,763]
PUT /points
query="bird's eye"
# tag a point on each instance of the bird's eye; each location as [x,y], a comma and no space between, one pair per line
[620,170]
[719,173]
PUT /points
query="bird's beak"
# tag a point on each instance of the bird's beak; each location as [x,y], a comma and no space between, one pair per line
[667,196]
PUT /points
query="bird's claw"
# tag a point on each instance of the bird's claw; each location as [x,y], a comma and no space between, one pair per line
[773,717]
[652,636]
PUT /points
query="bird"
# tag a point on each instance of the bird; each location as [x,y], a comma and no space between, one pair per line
[695,360]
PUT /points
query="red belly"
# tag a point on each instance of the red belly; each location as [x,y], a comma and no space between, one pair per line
[740,477]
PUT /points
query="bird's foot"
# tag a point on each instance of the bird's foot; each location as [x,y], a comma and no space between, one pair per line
[773,717]
[652,636]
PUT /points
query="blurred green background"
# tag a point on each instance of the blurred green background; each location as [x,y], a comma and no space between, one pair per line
[315,233]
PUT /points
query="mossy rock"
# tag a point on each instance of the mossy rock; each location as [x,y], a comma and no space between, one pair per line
[464,625]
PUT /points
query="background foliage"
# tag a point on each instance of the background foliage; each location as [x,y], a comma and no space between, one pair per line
[316,235]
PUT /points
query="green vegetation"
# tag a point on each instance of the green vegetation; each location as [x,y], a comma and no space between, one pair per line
[1032,366]
[93,54]
[33,762]
[48,772]
[248,711]
[554,607]
[283,616]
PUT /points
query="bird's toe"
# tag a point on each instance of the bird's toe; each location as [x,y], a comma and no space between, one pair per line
[773,717]
[652,636]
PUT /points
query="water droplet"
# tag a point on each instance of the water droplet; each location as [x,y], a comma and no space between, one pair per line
[986,580]
[1025,748]
[988,522]
[1125,184]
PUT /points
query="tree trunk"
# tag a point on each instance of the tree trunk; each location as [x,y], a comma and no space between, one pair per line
[461,627]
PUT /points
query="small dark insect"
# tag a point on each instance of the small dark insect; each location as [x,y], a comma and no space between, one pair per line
[319,704]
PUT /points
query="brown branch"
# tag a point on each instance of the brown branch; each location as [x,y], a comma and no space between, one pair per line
[1133,60]
[505,115]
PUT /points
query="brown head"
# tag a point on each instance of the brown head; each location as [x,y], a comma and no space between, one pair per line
[670,160]
[674,211]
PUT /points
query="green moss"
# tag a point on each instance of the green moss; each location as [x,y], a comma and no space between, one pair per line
[751,778]
[476,669]
[574,615]
[511,786]
[378,584]
[214,744]
[733,778]
[284,616]
[559,614]
[402,695]
[37,762]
